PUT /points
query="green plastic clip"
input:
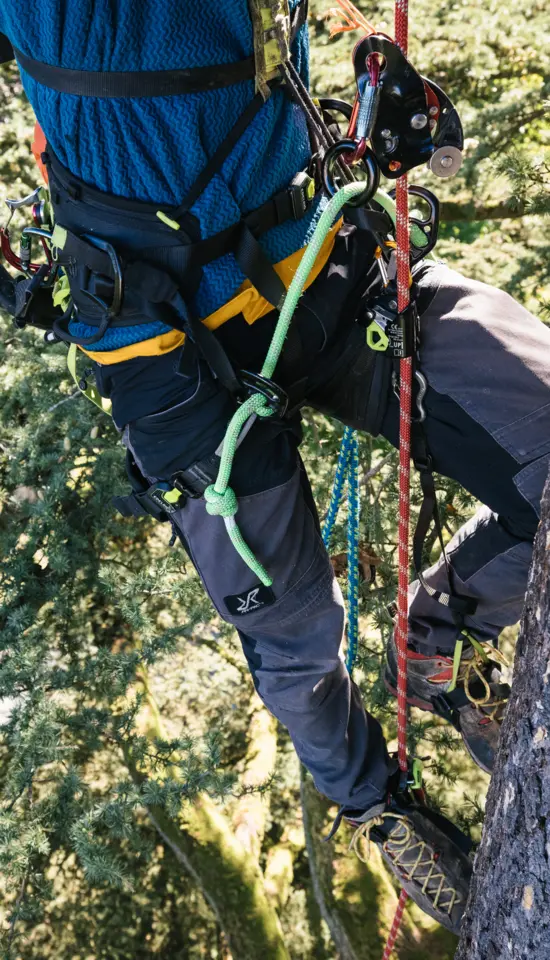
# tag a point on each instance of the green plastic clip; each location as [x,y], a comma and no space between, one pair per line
[88,389]
[417,775]
[376,338]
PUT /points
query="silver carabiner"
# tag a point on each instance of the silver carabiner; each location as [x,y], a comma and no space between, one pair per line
[422,390]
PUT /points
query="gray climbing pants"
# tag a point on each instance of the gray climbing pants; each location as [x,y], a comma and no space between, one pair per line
[488,365]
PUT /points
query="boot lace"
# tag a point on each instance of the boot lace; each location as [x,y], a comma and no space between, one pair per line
[414,858]
[475,668]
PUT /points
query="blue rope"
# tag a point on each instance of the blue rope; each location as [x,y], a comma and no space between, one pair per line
[347,469]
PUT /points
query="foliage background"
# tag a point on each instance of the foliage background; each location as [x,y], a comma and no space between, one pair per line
[112,661]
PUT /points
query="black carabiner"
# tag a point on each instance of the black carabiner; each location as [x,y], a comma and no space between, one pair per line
[367,162]
[429,226]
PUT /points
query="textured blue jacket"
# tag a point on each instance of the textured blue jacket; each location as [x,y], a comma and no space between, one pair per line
[153,149]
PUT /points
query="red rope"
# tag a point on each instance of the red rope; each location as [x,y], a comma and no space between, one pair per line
[405,392]
[395,926]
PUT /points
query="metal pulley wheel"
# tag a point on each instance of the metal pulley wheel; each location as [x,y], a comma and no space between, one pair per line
[445,162]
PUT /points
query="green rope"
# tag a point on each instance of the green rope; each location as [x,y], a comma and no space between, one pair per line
[220,498]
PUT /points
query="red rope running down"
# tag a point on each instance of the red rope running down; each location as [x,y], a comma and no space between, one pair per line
[405,391]
[405,377]
[395,926]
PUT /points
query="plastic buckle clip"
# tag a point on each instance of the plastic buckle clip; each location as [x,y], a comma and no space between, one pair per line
[160,500]
[276,397]
[193,482]
[302,194]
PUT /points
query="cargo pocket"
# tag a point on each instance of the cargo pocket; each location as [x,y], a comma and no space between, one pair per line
[531,480]
[182,434]
[529,437]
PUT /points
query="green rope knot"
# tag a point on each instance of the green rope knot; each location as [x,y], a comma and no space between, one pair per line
[221,504]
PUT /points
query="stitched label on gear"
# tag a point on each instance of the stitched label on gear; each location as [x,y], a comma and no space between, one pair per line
[250,600]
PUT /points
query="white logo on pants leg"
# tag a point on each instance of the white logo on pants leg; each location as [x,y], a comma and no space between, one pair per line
[250,602]
[255,599]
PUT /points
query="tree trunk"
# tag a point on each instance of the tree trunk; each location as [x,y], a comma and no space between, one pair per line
[228,876]
[508,914]
[261,757]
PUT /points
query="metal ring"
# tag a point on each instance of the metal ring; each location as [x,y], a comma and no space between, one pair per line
[368,162]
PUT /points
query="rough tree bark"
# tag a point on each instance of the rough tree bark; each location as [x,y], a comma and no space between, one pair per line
[508,914]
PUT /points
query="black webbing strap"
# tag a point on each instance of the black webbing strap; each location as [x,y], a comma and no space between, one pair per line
[141,83]
[6,49]
[258,268]
[298,18]
[213,352]
[150,83]
[218,159]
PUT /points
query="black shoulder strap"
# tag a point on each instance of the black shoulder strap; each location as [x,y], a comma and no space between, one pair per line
[6,49]
[151,83]
[218,159]
[298,18]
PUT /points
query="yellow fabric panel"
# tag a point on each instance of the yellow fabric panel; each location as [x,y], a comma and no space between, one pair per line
[247,301]
[145,348]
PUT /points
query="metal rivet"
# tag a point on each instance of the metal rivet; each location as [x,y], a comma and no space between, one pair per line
[392,304]
[446,162]
[419,121]
[433,124]
[385,133]
[433,110]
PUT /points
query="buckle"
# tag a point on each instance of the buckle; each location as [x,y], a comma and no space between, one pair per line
[98,293]
[193,481]
[160,501]
[389,331]
[276,397]
[302,194]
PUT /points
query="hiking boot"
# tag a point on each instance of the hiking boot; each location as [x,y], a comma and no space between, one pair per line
[427,854]
[464,689]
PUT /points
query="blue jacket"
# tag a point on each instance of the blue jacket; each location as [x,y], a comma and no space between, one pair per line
[153,149]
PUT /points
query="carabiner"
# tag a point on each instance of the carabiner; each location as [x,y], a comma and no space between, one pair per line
[367,163]
[422,390]
[429,225]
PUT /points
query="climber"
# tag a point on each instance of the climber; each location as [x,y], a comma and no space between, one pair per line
[132,168]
